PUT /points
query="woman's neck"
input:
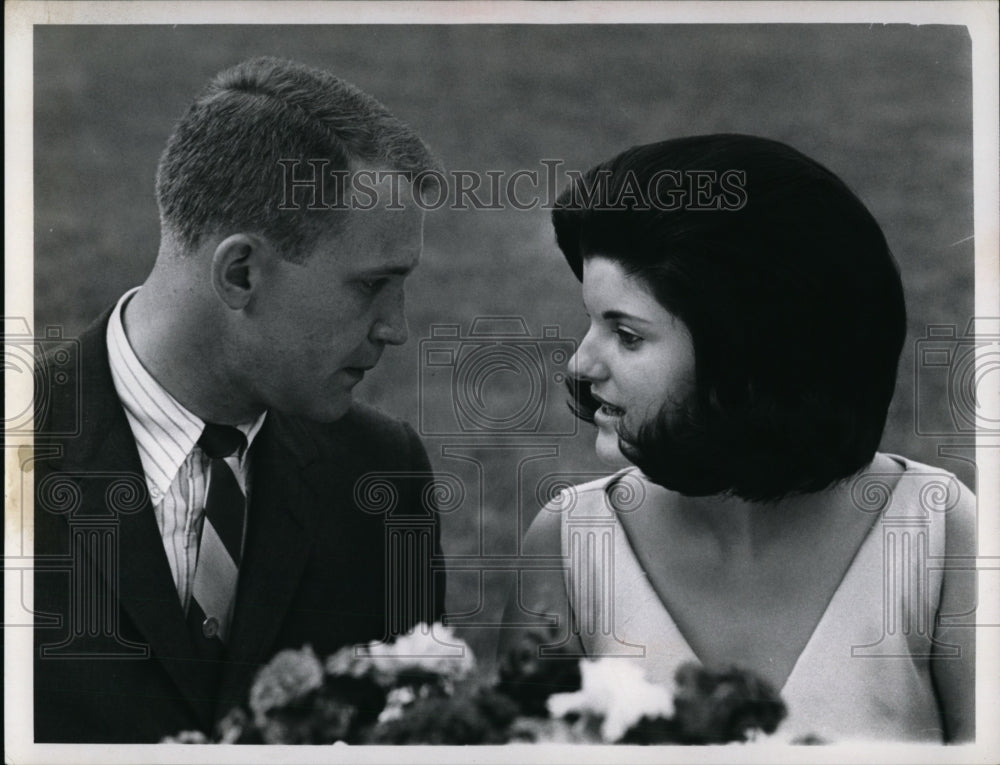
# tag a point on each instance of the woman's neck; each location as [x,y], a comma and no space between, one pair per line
[739,527]
[744,528]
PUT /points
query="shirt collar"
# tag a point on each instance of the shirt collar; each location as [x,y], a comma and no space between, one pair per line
[165,430]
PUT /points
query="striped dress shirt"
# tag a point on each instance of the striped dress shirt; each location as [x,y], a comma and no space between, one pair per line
[176,470]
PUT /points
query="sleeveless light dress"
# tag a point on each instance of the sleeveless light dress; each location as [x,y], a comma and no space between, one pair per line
[865,671]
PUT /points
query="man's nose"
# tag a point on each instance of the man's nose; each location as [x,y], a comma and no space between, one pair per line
[390,327]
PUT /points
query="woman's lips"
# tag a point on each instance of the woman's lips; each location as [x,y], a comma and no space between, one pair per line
[607,410]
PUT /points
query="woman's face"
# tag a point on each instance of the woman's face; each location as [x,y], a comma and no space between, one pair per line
[637,356]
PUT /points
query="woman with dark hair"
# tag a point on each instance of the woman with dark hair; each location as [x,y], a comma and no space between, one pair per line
[746,322]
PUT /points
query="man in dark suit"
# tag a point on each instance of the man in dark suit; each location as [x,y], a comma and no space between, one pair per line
[206,493]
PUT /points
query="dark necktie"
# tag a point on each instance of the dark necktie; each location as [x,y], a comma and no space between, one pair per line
[213,594]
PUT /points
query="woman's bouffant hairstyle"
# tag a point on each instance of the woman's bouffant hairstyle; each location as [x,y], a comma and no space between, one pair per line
[789,291]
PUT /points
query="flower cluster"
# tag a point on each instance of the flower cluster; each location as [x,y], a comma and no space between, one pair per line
[711,706]
[616,693]
[424,688]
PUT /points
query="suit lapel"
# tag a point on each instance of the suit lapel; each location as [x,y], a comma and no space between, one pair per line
[286,483]
[106,452]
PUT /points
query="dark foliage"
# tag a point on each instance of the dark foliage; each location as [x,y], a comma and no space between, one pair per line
[529,678]
[713,707]
[482,717]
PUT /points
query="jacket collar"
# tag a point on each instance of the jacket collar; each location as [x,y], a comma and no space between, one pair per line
[287,480]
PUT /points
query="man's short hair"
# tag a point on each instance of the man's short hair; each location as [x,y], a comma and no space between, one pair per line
[222,170]
[792,298]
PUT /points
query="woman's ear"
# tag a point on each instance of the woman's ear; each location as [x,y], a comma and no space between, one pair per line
[237,266]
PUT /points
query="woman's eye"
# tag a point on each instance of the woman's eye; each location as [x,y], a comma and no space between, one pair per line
[372,285]
[628,339]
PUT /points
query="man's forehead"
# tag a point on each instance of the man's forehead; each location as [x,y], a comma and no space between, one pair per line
[386,241]
[382,230]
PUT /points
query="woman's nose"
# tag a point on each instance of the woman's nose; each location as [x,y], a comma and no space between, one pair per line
[586,363]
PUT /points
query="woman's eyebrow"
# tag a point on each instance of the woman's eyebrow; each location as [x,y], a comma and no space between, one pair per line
[621,315]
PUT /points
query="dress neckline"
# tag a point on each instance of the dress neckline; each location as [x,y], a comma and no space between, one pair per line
[632,560]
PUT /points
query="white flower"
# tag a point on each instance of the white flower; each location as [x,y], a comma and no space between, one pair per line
[615,689]
[396,700]
[288,676]
[433,649]
[346,662]
[186,737]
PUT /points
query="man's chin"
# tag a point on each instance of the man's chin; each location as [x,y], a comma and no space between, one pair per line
[336,411]
[324,411]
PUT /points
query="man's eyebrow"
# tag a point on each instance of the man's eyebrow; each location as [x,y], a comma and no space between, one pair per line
[397,270]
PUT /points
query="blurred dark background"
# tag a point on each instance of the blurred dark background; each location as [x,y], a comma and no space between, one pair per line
[888,108]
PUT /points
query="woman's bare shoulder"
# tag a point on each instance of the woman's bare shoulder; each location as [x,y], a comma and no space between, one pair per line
[544,534]
[585,500]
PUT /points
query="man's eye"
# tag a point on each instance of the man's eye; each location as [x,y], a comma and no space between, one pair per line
[628,339]
[372,285]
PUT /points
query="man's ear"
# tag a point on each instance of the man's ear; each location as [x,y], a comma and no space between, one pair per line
[238,264]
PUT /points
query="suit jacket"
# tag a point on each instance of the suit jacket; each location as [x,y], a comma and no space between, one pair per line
[340,535]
